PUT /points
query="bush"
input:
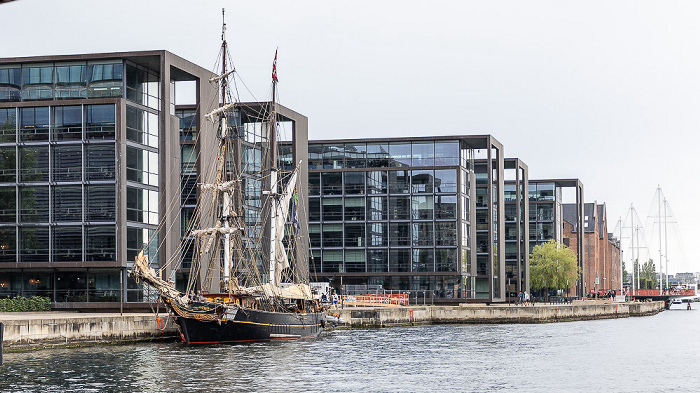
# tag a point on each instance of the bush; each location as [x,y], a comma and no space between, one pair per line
[19,304]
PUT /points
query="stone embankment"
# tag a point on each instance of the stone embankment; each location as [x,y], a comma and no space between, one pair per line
[479,313]
[38,330]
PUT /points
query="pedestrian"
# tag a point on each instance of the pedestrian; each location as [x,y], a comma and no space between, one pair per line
[335,300]
[522,297]
[527,298]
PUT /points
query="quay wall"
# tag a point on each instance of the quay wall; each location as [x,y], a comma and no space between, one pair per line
[471,313]
[25,331]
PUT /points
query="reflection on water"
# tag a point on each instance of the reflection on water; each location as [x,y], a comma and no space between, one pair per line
[624,355]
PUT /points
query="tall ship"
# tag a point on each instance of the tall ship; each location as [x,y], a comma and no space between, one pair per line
[262,294]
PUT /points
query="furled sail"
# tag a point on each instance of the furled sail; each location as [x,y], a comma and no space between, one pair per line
[282,213]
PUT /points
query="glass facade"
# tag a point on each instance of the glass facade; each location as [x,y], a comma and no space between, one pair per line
[57,180]
[389,208]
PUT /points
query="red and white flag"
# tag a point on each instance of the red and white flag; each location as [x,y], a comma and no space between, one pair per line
[274,68]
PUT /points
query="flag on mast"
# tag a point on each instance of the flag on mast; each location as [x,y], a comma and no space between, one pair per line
[274,68]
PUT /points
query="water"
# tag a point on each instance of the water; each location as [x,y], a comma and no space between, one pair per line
[650,354]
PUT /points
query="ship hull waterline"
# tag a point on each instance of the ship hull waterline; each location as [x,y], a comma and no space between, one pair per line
[251,325]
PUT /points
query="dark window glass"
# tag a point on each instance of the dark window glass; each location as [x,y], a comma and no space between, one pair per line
[377,261]
[34,124]
[35,244]
[67,244]
[70,81]
[103,286]
[400,260]
[100,243]
[333,156]
[314,183]
[189,190]
[399,234]
[142,205]
[100,202]
[423,234]
[315,157]
[99,121]
[332,261]
[67,203]
[141,238]
[34,204]
[186,220]
[314,209]
[332,209]
[355,235]
[399,208]
[34,164]
[399,182]
[355,261]
[332,235]
[37,82]
[71,286]
[315,235]
[67,163]
[422,181]
[188,124]
[446,207]
[332,183]
[8,244]
[188,160]
[8,124]
[423,260]
[10,83]
[105,80]
[446,260]
[445,234]
[354,183]
[8,165]
[8,204]
[100,162]
[355,209]
[67,123]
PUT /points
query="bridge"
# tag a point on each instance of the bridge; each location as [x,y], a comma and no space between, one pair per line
[666,296]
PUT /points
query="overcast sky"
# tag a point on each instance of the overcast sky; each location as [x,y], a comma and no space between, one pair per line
[603,91]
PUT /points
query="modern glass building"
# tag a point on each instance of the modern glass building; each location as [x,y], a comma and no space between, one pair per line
[547,217]
[517,227]
[87,147]
[398,214]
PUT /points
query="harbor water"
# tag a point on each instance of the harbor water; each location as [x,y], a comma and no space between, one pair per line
[651,354]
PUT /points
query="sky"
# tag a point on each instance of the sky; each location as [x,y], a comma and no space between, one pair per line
[603,91]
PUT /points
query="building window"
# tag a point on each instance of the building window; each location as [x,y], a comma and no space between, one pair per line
[423,153]
[355,209]
[399,234]
[100,121]
[70,81]
[188,124]
[67,203]
[400,260]
[423,234]
[141,126]
[377,261]
[355,261]
[8,244]
[378,236]
[332,235]
[35,244]
[141,166]
[100,243]
[377,208]
[8,165]
[8,204]
[332,261]
[105,79]
[34,124]
[100,202]
[99,162]
[399,182]
[67,163]
[34,204]
[355,235]
[67,244]
[142,205]
[332,209]
[10,83]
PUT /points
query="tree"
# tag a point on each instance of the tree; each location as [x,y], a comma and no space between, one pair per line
[552,266]
[625,273]
[647,275]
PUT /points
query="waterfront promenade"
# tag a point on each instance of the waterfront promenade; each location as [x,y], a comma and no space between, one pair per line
[39,330]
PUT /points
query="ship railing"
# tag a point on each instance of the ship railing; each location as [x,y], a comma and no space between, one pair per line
[375,300]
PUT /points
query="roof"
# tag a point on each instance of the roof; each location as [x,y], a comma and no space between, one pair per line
[569,215]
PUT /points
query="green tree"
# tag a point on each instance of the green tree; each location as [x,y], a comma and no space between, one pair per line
[552,266]
[647,276]
[625,273]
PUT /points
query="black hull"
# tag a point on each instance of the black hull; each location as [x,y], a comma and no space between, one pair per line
[251,325]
